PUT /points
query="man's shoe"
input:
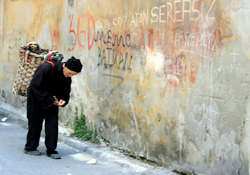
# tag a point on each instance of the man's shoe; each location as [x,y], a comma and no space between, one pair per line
[34,153]
[54,155]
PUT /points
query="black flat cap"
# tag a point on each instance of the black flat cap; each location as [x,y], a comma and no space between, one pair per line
[74,64]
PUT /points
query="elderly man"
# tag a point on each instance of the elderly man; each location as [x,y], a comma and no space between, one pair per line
[48,90]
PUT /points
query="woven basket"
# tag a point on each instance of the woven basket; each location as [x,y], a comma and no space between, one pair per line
[31,57]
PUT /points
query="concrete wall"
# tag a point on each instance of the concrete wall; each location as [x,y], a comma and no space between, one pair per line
[165,80]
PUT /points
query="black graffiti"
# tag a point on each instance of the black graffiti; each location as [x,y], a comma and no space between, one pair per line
[114,76]
[110,57]
[101,37]
[118,42]
[130,42]
[71,2]
[107,38]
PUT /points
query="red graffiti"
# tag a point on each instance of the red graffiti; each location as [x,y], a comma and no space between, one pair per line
[72,31]
[150,39]
[77,35]
[83,31]
[93,22]
[55,35]
[193,72]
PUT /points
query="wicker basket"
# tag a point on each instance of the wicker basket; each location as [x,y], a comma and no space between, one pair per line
[31,57]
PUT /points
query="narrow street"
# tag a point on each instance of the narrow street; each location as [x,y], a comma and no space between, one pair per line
[74,162]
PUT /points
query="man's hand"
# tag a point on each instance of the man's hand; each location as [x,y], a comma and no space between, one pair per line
[61,103]
[56,101]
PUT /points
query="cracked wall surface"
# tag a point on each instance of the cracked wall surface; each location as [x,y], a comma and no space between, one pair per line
[165,80]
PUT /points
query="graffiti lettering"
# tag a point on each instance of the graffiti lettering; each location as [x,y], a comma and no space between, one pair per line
[101,37]
[71,2]
[140,18]
[177,69]
[115,77]
[110,57]
[204,109]
[235,67]
[77,35]
[195,11]
[212,18]
[177,12]
[203,44]
[154,15]
[180,10]
[99,25]
[120,21]
[72,31]
[117,41]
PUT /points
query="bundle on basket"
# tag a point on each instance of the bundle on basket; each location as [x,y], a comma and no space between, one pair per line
[31,57]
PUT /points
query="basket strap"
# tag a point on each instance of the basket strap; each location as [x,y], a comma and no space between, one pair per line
[26,56]
[51,64]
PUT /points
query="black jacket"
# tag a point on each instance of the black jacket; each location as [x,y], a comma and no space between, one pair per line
[48,82]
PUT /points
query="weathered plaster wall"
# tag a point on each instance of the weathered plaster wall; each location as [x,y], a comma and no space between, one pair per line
[165,80]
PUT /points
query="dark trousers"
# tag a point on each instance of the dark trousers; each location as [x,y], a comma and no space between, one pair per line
[36,114]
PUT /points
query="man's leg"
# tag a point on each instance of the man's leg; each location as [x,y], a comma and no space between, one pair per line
[35,121]
[51,131]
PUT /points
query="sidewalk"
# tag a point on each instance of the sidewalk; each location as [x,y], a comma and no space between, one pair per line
[104,153]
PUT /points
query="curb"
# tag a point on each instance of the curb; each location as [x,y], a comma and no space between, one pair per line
[124,161]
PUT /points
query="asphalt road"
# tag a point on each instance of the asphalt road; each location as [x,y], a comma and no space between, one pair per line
[14,162]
